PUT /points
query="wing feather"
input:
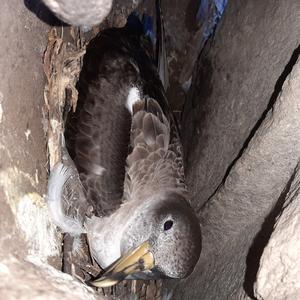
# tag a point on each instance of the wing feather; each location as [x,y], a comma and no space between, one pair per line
[153,162]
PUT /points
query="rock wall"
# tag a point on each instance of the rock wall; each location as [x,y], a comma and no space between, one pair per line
[35,281]
[278,274]
[241,139]
[23,161]
[237,79]
[28,239]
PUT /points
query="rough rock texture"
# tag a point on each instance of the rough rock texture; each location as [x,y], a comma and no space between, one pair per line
[23,161]
[234,82]
[36,282]
[237,79]
[279,271]
[80,13]
[237,218]
[25,228]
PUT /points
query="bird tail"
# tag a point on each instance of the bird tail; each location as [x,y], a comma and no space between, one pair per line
[161,54]
[57,185]
[145,27]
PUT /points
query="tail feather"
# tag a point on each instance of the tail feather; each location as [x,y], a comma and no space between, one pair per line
[59,177]
[161,54]
[145,27]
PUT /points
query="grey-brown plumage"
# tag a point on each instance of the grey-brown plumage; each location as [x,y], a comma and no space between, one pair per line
[128,153]
[156,157]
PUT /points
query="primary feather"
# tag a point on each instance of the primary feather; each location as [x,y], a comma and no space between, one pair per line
[162,62]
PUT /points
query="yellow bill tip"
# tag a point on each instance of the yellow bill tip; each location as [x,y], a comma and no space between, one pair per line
[137,260]
[104,282]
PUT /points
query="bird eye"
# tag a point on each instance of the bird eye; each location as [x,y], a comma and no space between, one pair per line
[168,225]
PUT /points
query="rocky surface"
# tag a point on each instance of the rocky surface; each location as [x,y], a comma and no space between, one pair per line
[26,230]
[236,79]
[23,158]
[35,281]
[238,220]
[80,13]
[278,274]
[241,138]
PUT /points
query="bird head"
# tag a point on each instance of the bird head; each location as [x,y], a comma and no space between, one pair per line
[161,239]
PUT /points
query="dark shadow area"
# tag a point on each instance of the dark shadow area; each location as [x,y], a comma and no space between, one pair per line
[277,90]
[190,17]
[43,12]
[262,238]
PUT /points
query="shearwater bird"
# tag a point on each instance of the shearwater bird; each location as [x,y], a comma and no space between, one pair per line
[129,158]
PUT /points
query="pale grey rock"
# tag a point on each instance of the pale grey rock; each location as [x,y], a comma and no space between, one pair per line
[237,79]
[233,219]
[279,272]
[22,280]
[232,86]
[25,228]
[80,13]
